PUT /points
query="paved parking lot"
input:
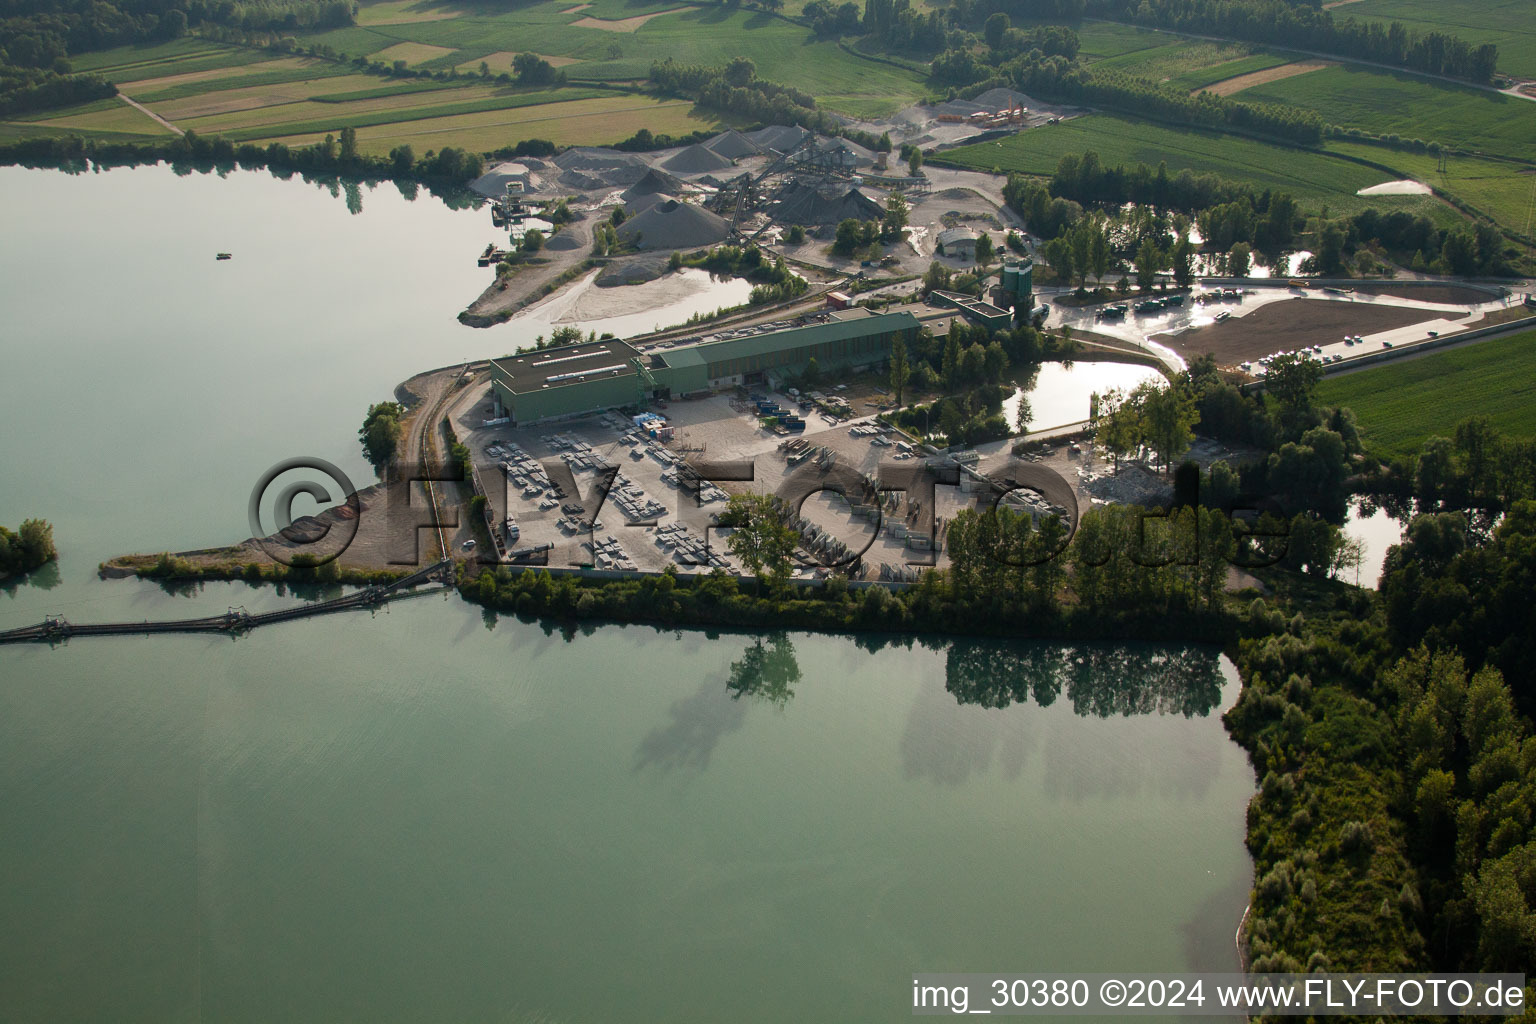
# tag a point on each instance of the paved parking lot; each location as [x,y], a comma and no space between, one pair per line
[651,518]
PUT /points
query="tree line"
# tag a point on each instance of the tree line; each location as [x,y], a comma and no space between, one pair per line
[334,155]
[735,88]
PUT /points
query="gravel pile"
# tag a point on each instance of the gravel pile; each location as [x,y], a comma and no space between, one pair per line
[654,181]
[778,137]
[672,225]
[696,159]
[591,168]
[733,145]
[645,200]
[798,203]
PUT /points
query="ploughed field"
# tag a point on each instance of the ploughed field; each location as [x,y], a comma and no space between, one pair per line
[1290,324]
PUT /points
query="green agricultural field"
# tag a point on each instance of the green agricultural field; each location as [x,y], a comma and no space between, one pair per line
[278,72]
[1391,103]
[1503,191]
[782,51]
[308,119]
[1401,404]
[185,56]
[1183,57]
[1505,23]
[119,119]
[1314,179]
[1102,39]
[1202,77]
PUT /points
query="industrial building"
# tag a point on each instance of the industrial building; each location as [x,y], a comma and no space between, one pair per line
[583,378]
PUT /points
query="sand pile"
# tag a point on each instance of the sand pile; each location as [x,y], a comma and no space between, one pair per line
[563,241]
[493,183]
[696,159]
[733,145]
[673,225]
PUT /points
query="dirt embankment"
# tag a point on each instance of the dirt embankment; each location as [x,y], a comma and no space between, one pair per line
[1287,325]
[505,296]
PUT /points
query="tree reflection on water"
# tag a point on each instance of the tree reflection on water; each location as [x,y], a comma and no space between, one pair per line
[1100,680]
[765,671]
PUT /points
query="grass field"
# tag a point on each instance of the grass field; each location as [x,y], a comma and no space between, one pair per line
[118,118]
[1314,179]
[1384,102]
[1401,404]
[1505,192]
[1505,23]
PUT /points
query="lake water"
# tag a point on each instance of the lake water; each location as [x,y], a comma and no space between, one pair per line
[431,813]
[1063,393]
[1377,532]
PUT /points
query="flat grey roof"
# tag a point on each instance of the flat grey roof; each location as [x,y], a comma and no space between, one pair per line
[527,372]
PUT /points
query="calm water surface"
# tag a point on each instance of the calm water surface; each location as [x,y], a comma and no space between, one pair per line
[433,814]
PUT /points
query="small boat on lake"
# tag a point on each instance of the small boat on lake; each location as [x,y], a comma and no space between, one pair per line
[224,256]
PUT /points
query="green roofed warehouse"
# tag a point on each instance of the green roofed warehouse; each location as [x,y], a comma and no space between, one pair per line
[592,376]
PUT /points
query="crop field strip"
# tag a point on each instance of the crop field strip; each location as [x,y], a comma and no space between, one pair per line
[1401,404]
[1202,77]
[311,71]
[1386,102]
[1178,57]
[120,118]
[600,121]
[1312,178]
[296,120]
[782,51]
[1104,39]
[1505,23]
